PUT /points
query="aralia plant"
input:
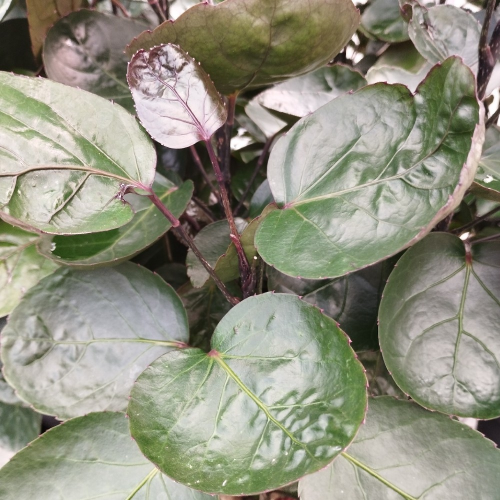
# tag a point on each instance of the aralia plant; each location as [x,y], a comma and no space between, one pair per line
[253,251]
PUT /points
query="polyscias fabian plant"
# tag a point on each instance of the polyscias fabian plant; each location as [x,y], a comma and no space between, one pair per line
[228,387]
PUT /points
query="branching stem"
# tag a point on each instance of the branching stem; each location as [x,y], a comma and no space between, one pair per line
[191,244]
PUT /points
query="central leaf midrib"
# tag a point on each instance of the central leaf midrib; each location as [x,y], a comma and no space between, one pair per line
[377,476]
[259,403]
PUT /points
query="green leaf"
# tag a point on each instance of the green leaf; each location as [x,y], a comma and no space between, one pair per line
[382,18]
[61,155]
[267,122]
[21,266]
[86,458]
[369,174]
[43,14]
[390,74]
[279,396]
[352,301]
[404,451]
[438,323]
[175,99]
[4,7]
[487,181]
[18,426]
[303,95]
[117,245]
[212,241]
[85,50]
[261,198]
[251,43]
[205,306]
[78,340]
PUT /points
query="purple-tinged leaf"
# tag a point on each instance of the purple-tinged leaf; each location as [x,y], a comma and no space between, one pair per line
[175,99]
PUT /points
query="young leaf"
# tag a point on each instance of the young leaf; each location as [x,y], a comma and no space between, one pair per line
[438,324]
[85,50]
[303,95]
[352,301]
[175,99]
[21,266]
[42,14]
[279,396]
[383,19]
[18,426]
[66,155]
[369,174]
[147,225]
[88,457]
[78,340]
[404,451]
[250,43]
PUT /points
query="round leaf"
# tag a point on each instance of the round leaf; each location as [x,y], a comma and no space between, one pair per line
[438,325]
[86,458]
[279,396]
[86,50]
[251,43]
[305,94]
[147,225]
[65,155]
[78,340]
[21,266]
[383,19]
[404,451]
[175,99]
[369,174]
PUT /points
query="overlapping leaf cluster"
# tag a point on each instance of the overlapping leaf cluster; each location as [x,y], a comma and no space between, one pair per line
[341,218]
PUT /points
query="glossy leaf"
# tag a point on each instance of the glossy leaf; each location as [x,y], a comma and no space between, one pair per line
[383,19]
[303,95]
[487,181]
[279,395]
[212,241]
[18,427]
[147,225]
[268,123]
[369,174]
[352,301]
[21,266]
[175,99]
[78,340]
[404,451]
[62,161]
[43,14]
[4,7]
[391,74]
[86,458]
[7,394]
[86,50]
[438,323]
[251,43]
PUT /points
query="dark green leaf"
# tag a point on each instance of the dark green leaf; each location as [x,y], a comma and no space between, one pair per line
[279,395]
[382,18]
[302,95]
[21,266]
[261,198]
[487,181]
[78,340]
[369,174]
[86,50]
[18,426]
[380,382]
[250,43]
[205,307]
[175,99]
[404,451]
[42,14]
[352,301]
[438,326]
[212,241]
[87,458]
[268,123]
[15,48]
[65,154]
[147,225]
